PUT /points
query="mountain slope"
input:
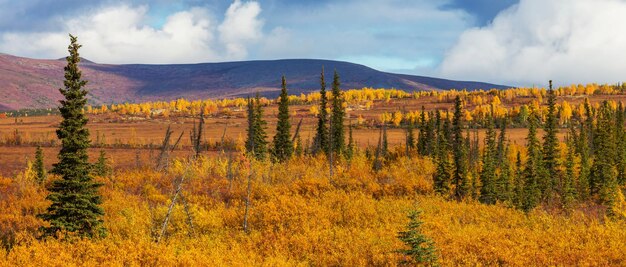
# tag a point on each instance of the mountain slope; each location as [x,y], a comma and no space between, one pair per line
[34,83]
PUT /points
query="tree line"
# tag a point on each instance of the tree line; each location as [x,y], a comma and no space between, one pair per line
[593,168]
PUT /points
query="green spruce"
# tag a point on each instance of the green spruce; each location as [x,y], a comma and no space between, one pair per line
[40,169]
[75,202]
[533,172]
[488,190]
[283,146]
[420,249]
[338,145]
[102,168]
[550,149]
[321,142]
[460,180]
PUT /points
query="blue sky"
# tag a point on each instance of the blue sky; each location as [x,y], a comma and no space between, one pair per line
[503,41]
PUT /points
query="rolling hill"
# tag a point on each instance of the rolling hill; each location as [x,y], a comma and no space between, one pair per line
[34,83]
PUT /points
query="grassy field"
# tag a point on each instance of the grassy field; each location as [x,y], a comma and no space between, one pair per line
[128,138]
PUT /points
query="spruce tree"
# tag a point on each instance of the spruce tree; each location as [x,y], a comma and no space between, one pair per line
[283,146]
[431,134]
[40,169]
[102,168]
[420,249]
[422,137]
[351,145]
[533,171]
[338,145]
[519,190]
[410,137]
[488,193]
[460,179]
[321,136]
[583,185]
[568,190]
[550,148]
[251,126]
[603,171]
[443,171]
[256,141]
[620,138]
[75,200]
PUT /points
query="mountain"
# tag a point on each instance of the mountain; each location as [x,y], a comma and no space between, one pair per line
[34,83]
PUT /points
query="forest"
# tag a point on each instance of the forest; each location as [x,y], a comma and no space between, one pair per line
[455,188]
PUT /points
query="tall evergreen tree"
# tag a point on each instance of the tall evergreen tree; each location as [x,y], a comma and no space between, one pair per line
[550,148]
[603,171]
[420,249]
[256,142]
[338,145]
[351,145]
[488,190]
[583,185]
[519,190]
[40,169]
[283,146]
[460,179]
[443,171]
[533,171]
[568,190]
[75,200]
[423,134]
[620,138]
[431,134]
[321,142]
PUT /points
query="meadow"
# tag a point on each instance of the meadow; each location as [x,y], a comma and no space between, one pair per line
[298,213]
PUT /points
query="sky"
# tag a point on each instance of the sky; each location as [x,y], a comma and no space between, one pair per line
[512,42]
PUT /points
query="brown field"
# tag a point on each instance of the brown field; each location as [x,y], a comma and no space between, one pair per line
[128,139]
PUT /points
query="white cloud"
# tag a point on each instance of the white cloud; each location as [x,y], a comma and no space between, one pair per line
[569,41]
[399,35]
[241,27]
[119,34]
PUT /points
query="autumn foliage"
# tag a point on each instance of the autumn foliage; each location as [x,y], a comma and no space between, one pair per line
[298,217]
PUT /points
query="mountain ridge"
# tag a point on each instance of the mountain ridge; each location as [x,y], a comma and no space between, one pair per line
[34,83]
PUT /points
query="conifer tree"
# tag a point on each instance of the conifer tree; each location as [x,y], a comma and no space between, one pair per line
[488,193]
[431,134]
[256,142]
[569,191]
[283,146]
[423,134]
[603,171]
[583,185]
[519,194]
[550,148]
[75,200]
[102,168]
[620,138]
[421,249]
[505,183]
[299,151]
[338,113]
[321,136]
[40,169]
[351,145]
[443,171]
[251,125]
[410,137]
[533,171]
[460,179]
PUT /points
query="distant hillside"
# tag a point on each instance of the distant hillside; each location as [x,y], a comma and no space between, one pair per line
[34,83]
